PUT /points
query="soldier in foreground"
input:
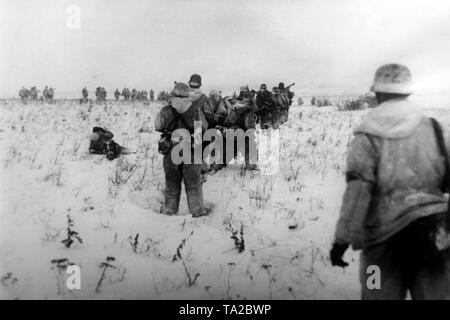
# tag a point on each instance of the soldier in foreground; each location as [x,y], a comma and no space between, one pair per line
[184,108]
[393,207]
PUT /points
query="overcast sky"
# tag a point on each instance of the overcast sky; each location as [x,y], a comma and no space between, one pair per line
[325,46]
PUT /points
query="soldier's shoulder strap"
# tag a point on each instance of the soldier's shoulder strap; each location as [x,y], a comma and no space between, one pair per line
[439,134]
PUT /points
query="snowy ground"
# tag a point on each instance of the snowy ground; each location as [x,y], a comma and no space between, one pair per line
[288,219]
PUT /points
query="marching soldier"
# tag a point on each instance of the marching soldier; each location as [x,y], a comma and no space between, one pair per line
[134,94]
[215,109]
[85,95]
[125,94]
[34,93]
[277,108]
[242,115]
[283,100]
[245,95]
[152,95]
[264,102]
[216,112]
[45,93]
[24,94]
[117,94]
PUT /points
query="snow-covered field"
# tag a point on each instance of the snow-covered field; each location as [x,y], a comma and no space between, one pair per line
[46,175]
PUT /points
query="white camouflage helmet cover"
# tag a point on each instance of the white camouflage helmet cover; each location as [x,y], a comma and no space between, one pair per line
[392,78]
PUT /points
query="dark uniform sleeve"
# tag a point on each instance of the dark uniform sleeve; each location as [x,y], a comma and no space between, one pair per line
[208,112]
[361,178]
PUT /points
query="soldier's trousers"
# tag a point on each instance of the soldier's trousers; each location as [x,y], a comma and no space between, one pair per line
[283,116]
[276,119]
[266,121]
[175,174]
[402,270]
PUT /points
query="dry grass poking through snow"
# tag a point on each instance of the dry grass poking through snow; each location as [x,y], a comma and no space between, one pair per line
[267,238]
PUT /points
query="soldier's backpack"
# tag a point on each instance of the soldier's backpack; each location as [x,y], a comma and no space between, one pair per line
[178,120]
[242,115]
[425,238]
[165,141]
[442,237]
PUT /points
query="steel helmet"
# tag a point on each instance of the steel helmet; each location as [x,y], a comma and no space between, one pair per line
[215,93]
[392,78]
[180,90]
[195,81]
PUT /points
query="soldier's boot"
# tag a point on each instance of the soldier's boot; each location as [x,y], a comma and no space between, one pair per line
[172,194]
[194,191]
[196,206]
[171,201]
[217,167]
[251,166]
[204,172]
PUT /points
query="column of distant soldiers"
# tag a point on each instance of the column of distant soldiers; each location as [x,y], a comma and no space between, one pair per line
[48,93]
[32,94]
[127,94]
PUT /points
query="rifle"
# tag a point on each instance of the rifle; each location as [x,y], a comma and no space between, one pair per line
[287,88]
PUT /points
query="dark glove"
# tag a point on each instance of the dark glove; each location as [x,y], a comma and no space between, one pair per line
[336,254]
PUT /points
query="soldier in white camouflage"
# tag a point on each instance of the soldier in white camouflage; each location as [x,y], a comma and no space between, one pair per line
[393,208]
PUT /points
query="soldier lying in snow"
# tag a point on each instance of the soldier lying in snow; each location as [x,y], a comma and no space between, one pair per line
[102,143]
